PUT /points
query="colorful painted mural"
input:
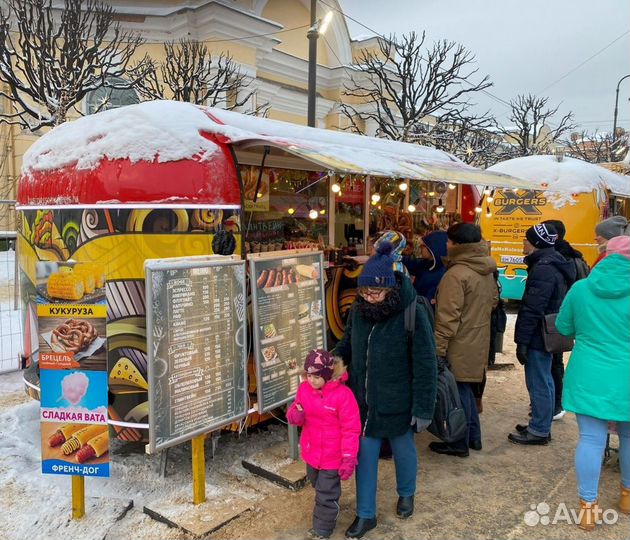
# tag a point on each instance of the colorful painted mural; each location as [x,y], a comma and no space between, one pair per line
[118,240]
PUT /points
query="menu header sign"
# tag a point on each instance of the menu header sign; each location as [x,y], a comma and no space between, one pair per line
[197,346]
[289,321]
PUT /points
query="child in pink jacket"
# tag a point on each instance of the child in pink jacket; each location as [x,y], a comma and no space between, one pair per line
[329,416]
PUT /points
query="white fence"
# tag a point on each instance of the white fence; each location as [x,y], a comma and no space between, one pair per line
[10,318]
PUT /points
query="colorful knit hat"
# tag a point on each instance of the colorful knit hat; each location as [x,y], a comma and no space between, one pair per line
[320,362]
[378,271]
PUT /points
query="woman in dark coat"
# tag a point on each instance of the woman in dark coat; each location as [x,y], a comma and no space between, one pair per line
[394,387]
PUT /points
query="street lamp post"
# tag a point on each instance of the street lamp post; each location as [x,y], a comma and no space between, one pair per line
[616,108]
[317,28]
[312,35]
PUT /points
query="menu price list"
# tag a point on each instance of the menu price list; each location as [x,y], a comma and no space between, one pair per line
[290,323]
[203,383]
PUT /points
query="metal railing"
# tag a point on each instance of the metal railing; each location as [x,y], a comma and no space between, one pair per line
[10,316]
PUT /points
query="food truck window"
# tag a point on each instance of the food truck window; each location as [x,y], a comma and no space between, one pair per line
[289,210]
[421,208]
[349,213]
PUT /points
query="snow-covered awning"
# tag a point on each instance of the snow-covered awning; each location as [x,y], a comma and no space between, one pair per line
[349,153]
[568,176]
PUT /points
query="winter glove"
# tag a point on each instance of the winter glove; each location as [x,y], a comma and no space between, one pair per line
[295,415]
[521,353]
[347,467]
[420,424]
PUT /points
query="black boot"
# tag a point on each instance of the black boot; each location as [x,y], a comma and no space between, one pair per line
[447,449]
[474,445]
[525,437]
[404,507]
[522,428]
[360,526]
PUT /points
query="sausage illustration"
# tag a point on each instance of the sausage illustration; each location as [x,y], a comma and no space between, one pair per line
[279,278]
[285,277]
[262,279]
[272,279]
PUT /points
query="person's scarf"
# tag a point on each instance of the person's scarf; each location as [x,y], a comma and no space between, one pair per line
[375,313]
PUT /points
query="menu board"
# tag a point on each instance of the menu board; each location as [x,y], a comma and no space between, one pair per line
[197,345]
[289,321]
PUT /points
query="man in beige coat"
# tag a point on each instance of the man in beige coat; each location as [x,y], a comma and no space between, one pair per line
[466,297]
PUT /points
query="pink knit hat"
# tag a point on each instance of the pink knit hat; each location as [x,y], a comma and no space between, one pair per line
[619,245]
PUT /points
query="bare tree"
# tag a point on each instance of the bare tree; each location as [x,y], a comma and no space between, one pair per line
[531,131]
[403,82]
[191,73]
[50,63]
[467,136]
[594,147]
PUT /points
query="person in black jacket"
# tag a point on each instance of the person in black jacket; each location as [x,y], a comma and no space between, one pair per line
[549,276]
[582,270]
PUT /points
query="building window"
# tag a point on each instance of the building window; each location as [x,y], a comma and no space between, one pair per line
[110,98]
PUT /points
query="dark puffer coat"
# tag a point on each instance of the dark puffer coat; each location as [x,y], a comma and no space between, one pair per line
[549,276]
[389,386]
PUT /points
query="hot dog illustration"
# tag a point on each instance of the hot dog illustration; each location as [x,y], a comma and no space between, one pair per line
[262,279]
[278,278]
[63,434]
[272,278]
[94,448]
[81,437]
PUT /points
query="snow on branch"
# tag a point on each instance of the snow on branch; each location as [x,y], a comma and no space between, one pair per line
[50,59]
[192,74]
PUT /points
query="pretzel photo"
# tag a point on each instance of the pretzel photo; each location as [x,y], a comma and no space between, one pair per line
[74,335]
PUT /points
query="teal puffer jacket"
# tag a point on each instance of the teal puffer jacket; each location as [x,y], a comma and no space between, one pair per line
[596,311]
[389,386]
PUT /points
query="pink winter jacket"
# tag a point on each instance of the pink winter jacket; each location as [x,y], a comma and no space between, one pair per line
[331,423]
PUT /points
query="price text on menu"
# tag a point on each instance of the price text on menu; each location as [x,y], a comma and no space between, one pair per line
[198,340]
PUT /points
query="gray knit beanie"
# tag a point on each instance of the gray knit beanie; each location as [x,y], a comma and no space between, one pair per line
[611,227]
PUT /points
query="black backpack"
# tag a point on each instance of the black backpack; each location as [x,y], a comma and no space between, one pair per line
[449,419]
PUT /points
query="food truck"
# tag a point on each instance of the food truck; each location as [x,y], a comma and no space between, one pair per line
[578,193]
[101,195]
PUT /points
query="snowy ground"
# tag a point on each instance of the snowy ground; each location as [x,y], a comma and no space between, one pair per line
[483,496]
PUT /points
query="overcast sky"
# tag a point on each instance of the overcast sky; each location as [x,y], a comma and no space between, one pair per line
[525,45]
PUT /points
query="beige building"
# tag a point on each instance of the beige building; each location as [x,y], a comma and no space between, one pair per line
[267,38]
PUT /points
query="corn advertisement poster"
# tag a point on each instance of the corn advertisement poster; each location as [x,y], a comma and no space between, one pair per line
[73,369]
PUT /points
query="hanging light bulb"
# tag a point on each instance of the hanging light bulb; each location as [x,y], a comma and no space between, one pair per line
[478,209]
[376,197]
[440,207]
[335,188]
[403,186]
[322,211]
[486,190]
[290,211]
[259,195]
[431,193]
[488,213]
[452,186]
[411,208]
[313,213]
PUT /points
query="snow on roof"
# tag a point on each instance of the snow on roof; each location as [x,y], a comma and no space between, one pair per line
[351,153]
[565,177]
[162,130]
[171,131]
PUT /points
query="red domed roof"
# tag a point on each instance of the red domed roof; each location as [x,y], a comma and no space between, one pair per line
[151,153]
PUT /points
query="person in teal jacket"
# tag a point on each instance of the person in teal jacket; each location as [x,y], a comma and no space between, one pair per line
[596,311]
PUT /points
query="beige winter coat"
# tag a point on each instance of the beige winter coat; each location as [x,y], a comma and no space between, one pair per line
[466,297]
